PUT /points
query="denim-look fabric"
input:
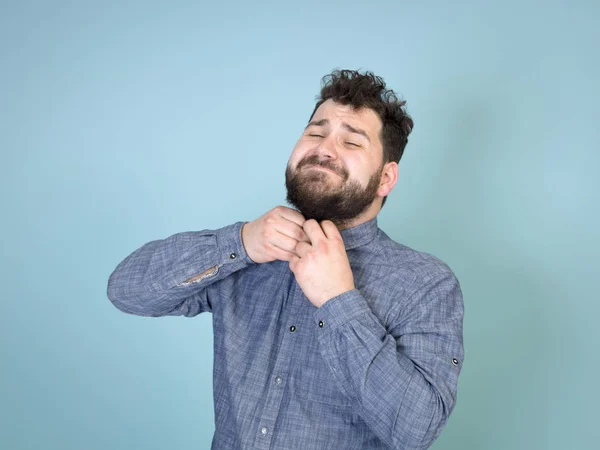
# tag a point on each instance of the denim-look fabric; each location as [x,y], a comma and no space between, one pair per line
[373,368]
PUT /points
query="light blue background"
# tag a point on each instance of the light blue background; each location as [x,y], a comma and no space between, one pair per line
[125,122]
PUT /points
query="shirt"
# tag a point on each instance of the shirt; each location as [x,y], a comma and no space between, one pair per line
[373,368]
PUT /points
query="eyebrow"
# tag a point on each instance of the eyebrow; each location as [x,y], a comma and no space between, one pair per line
[351,129]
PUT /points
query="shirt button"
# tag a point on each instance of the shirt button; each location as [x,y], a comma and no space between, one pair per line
[292,328]
[264,430]
[232,256]
[278,380]
[321,323]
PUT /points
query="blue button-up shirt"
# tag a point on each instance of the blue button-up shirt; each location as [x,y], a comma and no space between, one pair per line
[375,367]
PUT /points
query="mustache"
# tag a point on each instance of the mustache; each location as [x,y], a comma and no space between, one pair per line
[314,160]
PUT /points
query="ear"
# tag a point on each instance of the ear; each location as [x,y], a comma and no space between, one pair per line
[389,177]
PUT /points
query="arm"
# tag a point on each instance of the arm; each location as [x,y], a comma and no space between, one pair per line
[404,378]
[170,276]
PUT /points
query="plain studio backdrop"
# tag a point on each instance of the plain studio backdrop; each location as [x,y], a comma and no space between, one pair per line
[124,122]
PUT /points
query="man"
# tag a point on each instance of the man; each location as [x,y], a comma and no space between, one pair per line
[327,334]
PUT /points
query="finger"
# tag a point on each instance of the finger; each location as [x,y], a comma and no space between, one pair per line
[293,262]
[283,242]
[313,231]
[282,255]
[302,248]
[330,230]
[292,230]
[291,214]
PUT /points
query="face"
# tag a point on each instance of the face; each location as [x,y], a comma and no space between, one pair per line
[336,169]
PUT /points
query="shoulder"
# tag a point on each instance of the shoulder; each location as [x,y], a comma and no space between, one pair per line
[420,267]
[431,288]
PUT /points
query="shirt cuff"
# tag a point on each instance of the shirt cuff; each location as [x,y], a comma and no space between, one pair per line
[231,246]
[341,309]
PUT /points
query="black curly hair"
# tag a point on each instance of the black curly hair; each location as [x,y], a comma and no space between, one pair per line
[366,90]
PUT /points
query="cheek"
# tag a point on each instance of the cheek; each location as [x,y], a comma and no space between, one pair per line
[359,170]
[296,155]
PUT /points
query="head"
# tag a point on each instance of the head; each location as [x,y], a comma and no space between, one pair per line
[346,161]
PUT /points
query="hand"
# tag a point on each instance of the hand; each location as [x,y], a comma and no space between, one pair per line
[321,267]
[274,235]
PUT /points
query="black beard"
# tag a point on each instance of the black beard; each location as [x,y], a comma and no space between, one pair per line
[307,192]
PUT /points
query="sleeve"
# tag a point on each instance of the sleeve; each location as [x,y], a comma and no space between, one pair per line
[170,276]
[404,377]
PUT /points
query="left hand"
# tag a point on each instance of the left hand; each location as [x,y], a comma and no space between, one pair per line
[322,268]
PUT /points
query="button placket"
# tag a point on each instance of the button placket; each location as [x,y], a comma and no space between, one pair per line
[277,380]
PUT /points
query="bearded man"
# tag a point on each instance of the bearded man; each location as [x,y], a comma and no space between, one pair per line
[327,333]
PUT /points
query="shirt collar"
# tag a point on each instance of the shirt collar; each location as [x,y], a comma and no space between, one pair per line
[359,235]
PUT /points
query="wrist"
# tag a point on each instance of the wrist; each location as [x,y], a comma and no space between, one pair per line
[245,241]
[337,293]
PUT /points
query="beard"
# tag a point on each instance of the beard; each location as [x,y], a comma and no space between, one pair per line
[312,194]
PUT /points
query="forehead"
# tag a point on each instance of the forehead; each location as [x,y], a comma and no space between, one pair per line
[364,118]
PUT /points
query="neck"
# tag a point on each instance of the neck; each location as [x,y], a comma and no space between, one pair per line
[368,214]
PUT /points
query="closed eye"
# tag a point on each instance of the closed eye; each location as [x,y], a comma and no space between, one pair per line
[316,135]
[354,144]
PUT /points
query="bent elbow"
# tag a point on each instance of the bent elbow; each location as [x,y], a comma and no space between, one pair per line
[118,294]
[428,420]
[440,413]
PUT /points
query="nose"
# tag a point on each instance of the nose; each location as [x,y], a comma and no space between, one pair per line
[327,148]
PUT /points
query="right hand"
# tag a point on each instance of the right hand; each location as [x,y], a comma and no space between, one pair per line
[274,235]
